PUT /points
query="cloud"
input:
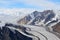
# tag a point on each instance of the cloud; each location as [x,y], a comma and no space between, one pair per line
[16,11]
[43,4]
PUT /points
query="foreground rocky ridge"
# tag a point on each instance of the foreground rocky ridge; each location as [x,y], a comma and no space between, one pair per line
[10,34]
[25,32]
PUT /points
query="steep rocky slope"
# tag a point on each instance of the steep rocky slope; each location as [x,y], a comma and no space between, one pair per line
[10,34]
[39,18]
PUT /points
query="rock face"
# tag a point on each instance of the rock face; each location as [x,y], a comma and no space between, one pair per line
[25,20]
[56,27]
[8,34]
[36,18]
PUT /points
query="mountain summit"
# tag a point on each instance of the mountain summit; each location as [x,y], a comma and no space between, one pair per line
[40,18]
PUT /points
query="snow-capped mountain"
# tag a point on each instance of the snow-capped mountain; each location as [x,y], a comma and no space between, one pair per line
[40,18]
[47,19]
